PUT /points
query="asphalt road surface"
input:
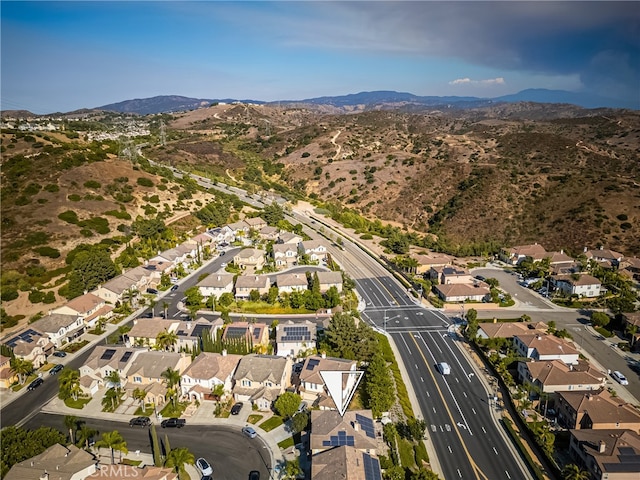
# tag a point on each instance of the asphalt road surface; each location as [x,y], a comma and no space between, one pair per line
[232,454]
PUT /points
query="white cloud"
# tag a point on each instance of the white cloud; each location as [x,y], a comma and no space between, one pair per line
[468,81]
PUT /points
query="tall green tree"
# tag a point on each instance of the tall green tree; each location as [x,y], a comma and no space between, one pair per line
[19,444]
[574,472]
[69,382]
[178,458]
[113,441]
[287,404]
[172,379]
[90,269]
[345,339]
[21,367]
[166,340]
[155,447]
[71,422]
[378,385]
[84,435]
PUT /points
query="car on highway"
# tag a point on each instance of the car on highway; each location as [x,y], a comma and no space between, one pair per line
[204,466]
[249,431]
[59,354]
[235,410]
[173,423]
[254,475]
[619,377]
[444,368]
[174,288]
[35,384]
[56,369]
[140,422]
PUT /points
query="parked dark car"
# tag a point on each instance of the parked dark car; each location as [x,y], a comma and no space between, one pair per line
[56,369]
[173,423]
[174,288]
[35,384]
[235,410]
[152,291]
[254,475]
[60,354]
[140,422]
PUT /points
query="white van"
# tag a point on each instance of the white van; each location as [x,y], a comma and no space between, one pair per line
[444,368]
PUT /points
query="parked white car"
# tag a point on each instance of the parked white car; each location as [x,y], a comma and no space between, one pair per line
[620,378]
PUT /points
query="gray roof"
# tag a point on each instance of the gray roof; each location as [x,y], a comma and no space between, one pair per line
[252,281]
[260,368]
[329,277]
[217,280]
[292,280]
[152,364]
[53,322]
[61,462]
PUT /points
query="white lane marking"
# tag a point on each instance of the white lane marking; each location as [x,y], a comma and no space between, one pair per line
[473,410]
[483,430]
[494,449]
[449,447]
[459,474]
[508,476]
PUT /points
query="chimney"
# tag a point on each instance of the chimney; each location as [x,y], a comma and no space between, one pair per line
[224,352]
[561,251]
[356,426]
[44,476]
[601,446]
[585,250]
[188,325]
[324,355]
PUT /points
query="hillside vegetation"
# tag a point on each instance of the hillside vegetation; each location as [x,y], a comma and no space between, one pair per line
[509,174]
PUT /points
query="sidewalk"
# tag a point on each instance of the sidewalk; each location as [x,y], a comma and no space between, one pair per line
[204,415]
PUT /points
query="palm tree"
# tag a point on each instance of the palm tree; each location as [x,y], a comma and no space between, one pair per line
[178,458]
[114,441]
[172,378]
[165,308]
[71,422]
[22,368]
[166,340]
[574,472]
[69,381]
[111,398]
[140,395]
[113,378]
[84,435]
[631,330]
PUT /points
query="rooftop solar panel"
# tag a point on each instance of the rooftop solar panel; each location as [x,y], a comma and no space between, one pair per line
[367,425]
[126,356]
[198,329]
[312,363]
[339,440]
[371,467]
[108,354]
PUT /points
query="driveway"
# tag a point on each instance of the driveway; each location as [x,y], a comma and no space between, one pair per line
[524,297]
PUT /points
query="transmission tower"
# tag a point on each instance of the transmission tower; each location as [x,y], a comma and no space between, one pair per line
[267,126]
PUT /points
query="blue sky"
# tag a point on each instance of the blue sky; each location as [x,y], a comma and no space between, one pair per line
[61,56]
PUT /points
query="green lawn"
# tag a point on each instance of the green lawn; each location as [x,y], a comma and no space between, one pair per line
[144,412]
[18,387]
[169,411]
[271,423]
[286,443]
[253,419]
[79,404]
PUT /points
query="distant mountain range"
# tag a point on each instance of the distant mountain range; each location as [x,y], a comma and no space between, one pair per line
[376,99]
